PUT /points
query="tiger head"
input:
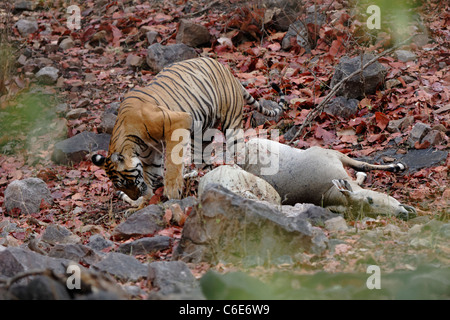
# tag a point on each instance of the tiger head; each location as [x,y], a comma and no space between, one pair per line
[125,173]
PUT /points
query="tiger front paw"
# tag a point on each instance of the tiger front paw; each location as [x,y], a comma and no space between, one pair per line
[173,188]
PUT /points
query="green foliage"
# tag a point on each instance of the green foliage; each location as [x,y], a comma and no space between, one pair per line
[426,282]
[29,116]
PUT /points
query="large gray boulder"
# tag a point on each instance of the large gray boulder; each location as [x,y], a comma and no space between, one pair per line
[361,84]
[159,56]
[227,227]
[74,149]
[26,195]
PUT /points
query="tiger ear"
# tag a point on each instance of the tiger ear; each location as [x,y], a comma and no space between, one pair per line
[98,160]
[117,157]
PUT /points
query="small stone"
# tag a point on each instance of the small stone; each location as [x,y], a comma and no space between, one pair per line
[152,37]
[62,108]
[146,245]
[134,60]
[434,137]
[405,55]
[108,120]
[55,234]
[67,43]
[97,242]
[418,132]
[336,224]
[76,113]
[171,277]
[192,34]
[29,5]
[146,221]
[400,124]
[122,266]
[47,75]
[392,83]
[26,27]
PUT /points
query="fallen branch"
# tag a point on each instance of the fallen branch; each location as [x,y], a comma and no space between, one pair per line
[319,108]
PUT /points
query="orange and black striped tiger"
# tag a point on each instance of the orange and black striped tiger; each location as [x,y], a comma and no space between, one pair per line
[197,91]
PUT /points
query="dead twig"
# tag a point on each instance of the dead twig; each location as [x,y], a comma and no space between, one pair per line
[202,10]
[319,108]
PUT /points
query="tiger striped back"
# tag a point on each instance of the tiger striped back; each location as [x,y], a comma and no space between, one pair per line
[197,91]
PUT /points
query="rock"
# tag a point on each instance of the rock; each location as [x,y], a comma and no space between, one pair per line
[359,85]
[171,277]
[122,266]
[432,225]
[76,113]
[421,40]
[392,83]
[159,56]
[419,131]
[47,75]
[29,5]
[226,227]
[283,12]
[445,230]
[42,62]
[74,149]
[41,288]
[22,60]
[55,234]
[240,182]
[184,203]
[145,245]
[27,195]
[392,230]
[97,242]
[75,252]
[134,60]
[82,103]
[152,36]
[14,260]
[26,27]
[434,137]
[314,214]
[298,31]
[62,109]
[400,125]
[342,107]
[108,120]
[415,230]
[192,34]
[336,224]
[146,221]
[405,55]
[67,43]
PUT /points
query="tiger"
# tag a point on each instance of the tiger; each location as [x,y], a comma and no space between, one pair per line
[199,91]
